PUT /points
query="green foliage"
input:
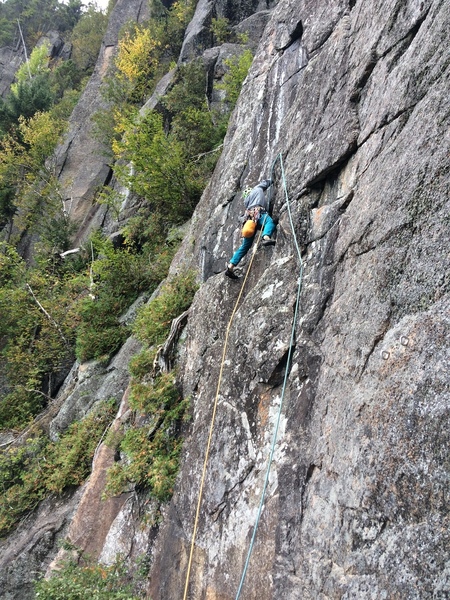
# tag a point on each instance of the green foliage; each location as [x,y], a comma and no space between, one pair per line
[238,67]
[137,60]
[87,37]
[112,199]
[37,333]
[43,325]
[35,347]
[153,321]
[26,182]
[185,156]
[68,461]
[119,275]
[153,450]
[142,363]
[161,173]
[62,111]
[7,208]
[145,53]
[86,582]
[36,18]
[31,96]
[188,90]
[66,78]
[154,399]
[172,25]
[12,266]
[220,28]
[192,123]
[7,28]
[37,64]
[30,472]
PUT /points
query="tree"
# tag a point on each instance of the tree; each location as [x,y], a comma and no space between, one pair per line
[36,18]
[29,97]
[36,65]
[161,174]
[87,37]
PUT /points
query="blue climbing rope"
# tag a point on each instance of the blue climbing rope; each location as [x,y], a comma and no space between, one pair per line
[283,390]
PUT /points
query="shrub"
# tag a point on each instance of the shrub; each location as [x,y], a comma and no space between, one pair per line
[77,582]
[161,174]
[26,181]
[31,472]
[232,80]
[220,28]
[37,64]
[142,363]
[87,37]
[36,344]
[137,61]
[30,97]
[119,277]
[153,321]
[153,450]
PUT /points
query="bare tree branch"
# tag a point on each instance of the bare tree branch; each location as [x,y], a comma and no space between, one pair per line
[49,317]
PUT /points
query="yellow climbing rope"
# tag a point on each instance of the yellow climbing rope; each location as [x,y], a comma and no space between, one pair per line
[285,380]
[211,427]
[275,434]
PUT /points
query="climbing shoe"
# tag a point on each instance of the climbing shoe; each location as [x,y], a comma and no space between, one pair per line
[267,241]
[230,273]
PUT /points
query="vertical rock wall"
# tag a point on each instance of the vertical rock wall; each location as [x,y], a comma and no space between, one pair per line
[82,163]
[355,97]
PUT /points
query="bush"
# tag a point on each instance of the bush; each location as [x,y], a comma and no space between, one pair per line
[30,97]
[161,173]
[93,582]
[36,346]
[232,80]
[119,277]
[152,450]
[153,321]
[220,29]
[87,38]
[31,472]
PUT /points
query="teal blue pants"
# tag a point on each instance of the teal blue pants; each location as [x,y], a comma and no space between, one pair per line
[268,227]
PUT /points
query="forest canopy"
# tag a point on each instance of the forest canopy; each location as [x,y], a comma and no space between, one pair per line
[36,18]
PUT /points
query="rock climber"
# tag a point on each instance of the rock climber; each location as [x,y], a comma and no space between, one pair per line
[256,210]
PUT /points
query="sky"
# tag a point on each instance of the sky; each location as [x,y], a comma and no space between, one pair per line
[102,4]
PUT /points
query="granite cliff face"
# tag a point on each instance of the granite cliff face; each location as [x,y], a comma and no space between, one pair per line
[354,96]
[82,165]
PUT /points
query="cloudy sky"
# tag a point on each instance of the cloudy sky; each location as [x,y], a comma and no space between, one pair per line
[102,4]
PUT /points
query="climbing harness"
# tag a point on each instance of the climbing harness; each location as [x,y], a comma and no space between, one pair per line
[216,399]
[252,215]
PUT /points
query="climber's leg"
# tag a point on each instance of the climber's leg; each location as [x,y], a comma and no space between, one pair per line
[242,250]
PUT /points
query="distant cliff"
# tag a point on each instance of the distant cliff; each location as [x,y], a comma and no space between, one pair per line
[354,97]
